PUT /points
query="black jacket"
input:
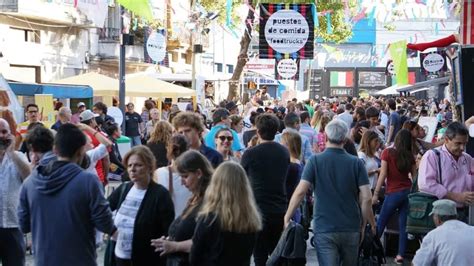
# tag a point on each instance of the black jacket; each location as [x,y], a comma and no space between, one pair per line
[154,216]
[291,248]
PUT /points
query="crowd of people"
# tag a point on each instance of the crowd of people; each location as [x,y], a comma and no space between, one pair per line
[198,194]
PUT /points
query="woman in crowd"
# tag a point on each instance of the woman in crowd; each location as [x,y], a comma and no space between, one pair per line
[196,172]
[292,141]
[358,130]
[417,133]
[321,136]
[224,141]
[248,135]
[237,124]
[117,168]
[398,163]
[168,177]
[368,148]
[159,140]
[316,120]
[144,211]
[228,222]
[150,125]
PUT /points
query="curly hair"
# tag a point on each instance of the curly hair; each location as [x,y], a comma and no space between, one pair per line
[161,132]
[188,119]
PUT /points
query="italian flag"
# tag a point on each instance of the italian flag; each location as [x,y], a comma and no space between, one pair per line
[342,79]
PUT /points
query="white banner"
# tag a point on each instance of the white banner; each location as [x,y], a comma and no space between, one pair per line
[95,10]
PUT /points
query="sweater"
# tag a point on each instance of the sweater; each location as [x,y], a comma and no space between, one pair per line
[62,205]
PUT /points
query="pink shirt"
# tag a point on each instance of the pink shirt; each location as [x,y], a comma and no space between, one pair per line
[456,175]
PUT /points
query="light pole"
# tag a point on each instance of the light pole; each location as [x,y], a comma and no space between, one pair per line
[122,67]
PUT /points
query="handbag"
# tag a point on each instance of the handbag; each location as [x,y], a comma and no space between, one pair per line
[109,256]
[420,205]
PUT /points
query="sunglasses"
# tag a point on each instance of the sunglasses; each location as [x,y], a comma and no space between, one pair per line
[223,138]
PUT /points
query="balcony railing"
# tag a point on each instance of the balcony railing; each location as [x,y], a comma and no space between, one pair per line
[109,34]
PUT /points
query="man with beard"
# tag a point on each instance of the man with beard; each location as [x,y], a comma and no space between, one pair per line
[13,170]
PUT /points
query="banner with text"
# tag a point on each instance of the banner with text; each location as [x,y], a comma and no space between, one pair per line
[286,31]
[287,69]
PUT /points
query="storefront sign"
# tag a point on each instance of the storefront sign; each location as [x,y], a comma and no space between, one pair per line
[372,79]
[286,29]
[433,62]
[341,92]
[156,46]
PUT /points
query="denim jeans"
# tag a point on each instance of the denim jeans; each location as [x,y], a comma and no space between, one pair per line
[393,201]
[135,141]
[338,248]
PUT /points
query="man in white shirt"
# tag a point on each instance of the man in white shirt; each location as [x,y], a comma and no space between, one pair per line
[451,243]
[346,117]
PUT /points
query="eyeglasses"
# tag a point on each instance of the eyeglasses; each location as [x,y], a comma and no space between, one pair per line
[223,138]
[32,112]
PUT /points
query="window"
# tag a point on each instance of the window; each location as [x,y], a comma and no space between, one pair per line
[219,67]
[25,35]
[230,69]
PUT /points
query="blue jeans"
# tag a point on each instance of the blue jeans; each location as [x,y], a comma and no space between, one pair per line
[135,141]
[339,248]
[393,201]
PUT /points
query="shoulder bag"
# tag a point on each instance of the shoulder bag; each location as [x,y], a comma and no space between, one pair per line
[420,205]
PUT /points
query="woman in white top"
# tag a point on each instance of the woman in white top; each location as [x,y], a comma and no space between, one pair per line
[369,145]
[170,179]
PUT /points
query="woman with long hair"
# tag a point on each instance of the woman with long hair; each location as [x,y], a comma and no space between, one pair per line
[224,140]
[398,162]
[144,211]
[159,140]
[321,135]
[168,177]
[195,171]
[237,124]
[316,120]
[228,221]
[417,133]
[368,148]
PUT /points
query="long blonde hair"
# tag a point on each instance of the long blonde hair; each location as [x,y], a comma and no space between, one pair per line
[317,118]
[162,132]
[230,198]
[292,140]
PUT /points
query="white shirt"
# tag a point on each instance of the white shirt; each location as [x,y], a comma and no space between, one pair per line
[452,243]
[96,154]
[384,120]
[370,164]
[180,193]
[125,221]
[10,184]
[347,118]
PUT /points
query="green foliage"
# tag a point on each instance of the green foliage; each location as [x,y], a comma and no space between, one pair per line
[219,6]
[341,31]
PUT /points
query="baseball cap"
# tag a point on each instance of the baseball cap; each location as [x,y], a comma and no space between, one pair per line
[87,115]
[80,104]
[231,106]
[444,207]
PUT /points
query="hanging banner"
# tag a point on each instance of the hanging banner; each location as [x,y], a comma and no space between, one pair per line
[467,19]
[398,52]
[433,62]
[287,69]
[155,46]
[286,31]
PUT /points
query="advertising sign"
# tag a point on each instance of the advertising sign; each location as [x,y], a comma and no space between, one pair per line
[372,79]
[287,69]
[286,29]
[433,62]
[155,46]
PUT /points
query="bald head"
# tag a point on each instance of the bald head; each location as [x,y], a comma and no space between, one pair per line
[4,126]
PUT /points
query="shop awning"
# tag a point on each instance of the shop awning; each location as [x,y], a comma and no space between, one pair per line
[392,90]
[58,91]
[424,84]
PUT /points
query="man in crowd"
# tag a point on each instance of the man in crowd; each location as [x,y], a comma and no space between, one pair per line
[383,118]
[455,180]
[100,108]
[64,117]
[265,96]
[134,128]
[372,114]
[232,108]
[102,166]
[451,243]
[81,107]
[266,165]
[32,116]
[292,122]
[190,125]
[394,121]
[343,195]
[346,116]
[220,119]
[308,131]
[60,205]
[14,169]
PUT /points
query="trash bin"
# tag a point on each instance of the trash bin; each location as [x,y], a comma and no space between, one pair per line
[124,145]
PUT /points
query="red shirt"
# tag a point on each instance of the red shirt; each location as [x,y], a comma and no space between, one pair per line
[396,180]
[99,166]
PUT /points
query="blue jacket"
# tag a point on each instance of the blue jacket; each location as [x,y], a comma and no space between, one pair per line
[61,205]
